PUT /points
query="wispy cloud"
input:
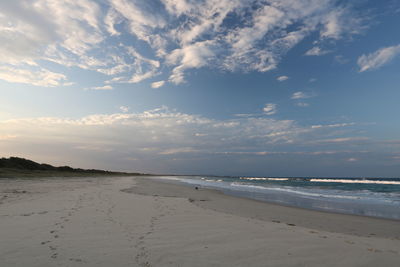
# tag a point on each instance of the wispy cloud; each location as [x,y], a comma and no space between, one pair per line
[124,109]
[311,153]
[282,78]
[302,104]
[317,51]
[104,87]
[339,21]
[301,95]
[179,150]
[33,76]
[175,36]
[321,126]
[270,109]
[342,140]
[378,58]
[157,84]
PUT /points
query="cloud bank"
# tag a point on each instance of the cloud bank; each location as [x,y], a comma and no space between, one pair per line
[159,139]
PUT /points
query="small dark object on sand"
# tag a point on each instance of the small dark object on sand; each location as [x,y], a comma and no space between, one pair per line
[196,188]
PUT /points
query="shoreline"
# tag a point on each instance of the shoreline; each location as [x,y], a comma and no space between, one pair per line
[216,200]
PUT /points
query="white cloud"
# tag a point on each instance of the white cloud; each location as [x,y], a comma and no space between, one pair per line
[177,7]
[339,21]
[270,109]
[181,35]
[156,136]
[316,51]
[138,77]
[38,77]
[141,21]
[111,20]
[105,87]
[178,150]
[192,56]
[157,84]
[333,25]
[282,78]
[124,109]
[342,140]
[7,137]
[29,31]
[161,131]
[312,153]
[320,126]
[379,58]
[301,95]
[302,104]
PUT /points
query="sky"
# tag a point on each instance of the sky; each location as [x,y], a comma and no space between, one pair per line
[225,87]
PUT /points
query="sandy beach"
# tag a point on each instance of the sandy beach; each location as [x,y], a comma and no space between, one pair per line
[129,221]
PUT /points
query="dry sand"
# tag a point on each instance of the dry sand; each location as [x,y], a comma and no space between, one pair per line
[131,221]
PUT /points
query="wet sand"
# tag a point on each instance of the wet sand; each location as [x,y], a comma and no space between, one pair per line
[127,221]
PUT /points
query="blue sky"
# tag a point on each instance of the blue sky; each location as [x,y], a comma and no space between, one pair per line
[229,87]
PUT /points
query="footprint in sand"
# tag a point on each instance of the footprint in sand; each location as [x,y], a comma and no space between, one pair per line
[76,260]
[374,250]
[27,214]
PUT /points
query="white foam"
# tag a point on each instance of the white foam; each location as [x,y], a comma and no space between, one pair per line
[288,190]
[364,195]
[346,181]
[263,179]
[174,178]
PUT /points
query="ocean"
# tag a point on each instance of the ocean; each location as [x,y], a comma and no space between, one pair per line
[376,197]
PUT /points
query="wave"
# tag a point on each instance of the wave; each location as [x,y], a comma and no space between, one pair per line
[263,179]
[211,180]
[347,181]
[288,190]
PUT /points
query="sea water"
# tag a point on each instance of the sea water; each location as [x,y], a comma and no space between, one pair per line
[377,197]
